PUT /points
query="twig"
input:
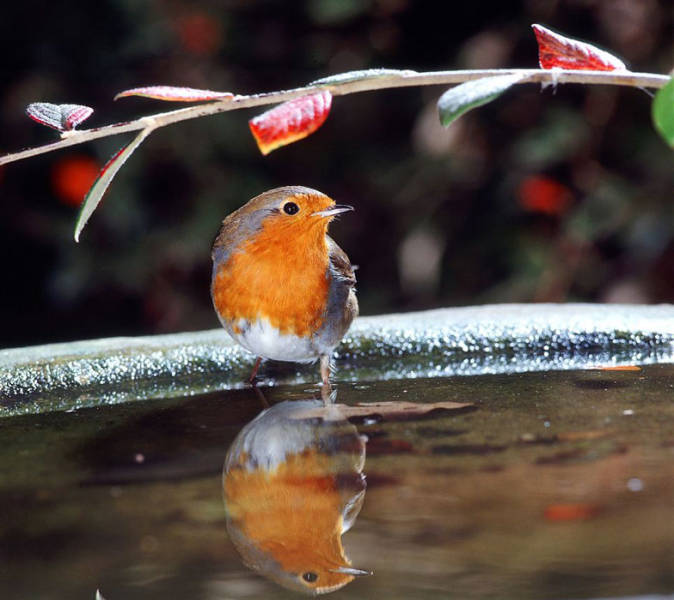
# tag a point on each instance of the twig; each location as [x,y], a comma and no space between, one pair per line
[380,82]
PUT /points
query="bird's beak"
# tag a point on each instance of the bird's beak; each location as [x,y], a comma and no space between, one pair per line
[351,571]
[332,211]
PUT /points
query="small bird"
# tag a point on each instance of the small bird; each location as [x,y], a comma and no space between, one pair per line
[293,483]
[282,288]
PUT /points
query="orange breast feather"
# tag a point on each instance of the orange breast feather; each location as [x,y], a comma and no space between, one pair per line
[280,275]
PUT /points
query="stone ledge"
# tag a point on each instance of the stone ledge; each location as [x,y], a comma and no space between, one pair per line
[453,341]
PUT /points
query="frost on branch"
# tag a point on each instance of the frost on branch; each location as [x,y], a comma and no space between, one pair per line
[561,58]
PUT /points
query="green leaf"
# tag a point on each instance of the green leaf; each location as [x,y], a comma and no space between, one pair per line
[663,112]
[460,99]
[95,194]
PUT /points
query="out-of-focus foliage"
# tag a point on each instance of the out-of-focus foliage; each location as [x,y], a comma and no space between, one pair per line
[663,112]
[548,195]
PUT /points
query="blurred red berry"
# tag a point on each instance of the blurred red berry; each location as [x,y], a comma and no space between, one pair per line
[541,194]
[570,512]
[72,177]
[199,34]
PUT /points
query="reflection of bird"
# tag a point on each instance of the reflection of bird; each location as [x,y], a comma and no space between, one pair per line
[293,484]
[282,288]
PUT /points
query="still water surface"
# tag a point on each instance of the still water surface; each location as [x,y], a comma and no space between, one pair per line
[540,485]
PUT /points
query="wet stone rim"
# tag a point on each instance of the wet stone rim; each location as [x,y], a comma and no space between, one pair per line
[455,341]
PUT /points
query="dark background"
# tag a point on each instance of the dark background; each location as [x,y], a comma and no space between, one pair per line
[547,195]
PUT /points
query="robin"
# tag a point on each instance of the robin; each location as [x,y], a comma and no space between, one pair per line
[281,286]
[293,483]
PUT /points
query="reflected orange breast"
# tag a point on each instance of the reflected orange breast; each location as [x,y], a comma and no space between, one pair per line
[291,511]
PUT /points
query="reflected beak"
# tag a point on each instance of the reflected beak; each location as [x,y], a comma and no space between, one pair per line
[351,571]
[332,211]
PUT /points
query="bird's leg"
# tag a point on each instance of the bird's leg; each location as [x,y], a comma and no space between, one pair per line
[326,368]
[251,379]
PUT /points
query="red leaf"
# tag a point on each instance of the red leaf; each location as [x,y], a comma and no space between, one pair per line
[175,94]
[62,117]
[290,121]
[555,50]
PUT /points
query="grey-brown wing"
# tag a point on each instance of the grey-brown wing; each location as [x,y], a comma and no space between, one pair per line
[342,304]
[340,263]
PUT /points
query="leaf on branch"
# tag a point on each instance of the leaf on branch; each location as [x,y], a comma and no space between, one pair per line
[400,410]
[555,50]
[109,170]
[364,74]
[62,117]
[460,99]
[290,121]
[663,112]
[388,411]
[175,94]
[616,368]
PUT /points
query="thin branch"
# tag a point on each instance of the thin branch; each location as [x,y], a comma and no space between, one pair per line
[342,88]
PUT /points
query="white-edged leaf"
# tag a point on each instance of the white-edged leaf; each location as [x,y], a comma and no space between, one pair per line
[62,117]
[363,74]
[98,595]
[460,99]
[175,94]
[95,194]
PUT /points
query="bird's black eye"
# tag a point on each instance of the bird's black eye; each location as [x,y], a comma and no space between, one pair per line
[309,577]
[290,208]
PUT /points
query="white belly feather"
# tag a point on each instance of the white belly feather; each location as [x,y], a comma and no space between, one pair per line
[262,339]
